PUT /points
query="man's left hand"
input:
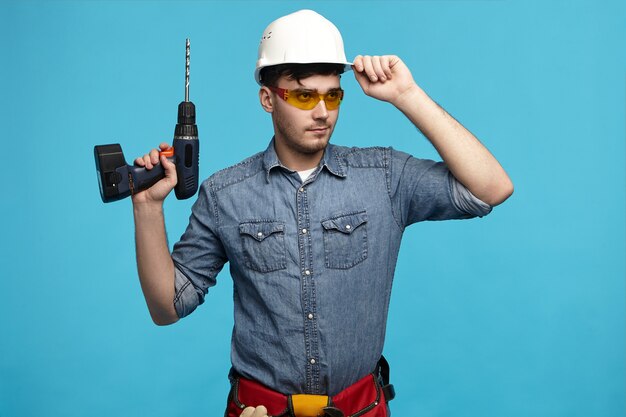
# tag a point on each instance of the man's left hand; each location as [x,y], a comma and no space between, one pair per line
[383,77]
[259,411]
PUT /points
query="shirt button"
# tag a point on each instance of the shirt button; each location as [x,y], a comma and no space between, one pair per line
[301,189]
[312,361]
[304,231]
[259,234]
[310,316]
[307,272]
[348,227]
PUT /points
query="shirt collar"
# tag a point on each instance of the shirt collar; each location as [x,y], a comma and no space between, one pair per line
[331,160]
[270,160]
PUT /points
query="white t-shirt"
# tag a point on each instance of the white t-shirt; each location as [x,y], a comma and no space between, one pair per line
[305,174]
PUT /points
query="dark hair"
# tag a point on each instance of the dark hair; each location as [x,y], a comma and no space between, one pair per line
[269,75]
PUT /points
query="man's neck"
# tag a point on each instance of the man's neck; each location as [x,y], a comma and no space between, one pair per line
[297,161]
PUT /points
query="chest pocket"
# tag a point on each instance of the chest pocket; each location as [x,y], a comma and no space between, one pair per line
[345,240]
[263,245]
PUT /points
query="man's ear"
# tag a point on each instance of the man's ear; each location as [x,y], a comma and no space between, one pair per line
[265,97]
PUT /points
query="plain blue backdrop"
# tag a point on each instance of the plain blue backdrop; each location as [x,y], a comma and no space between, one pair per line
[518,314]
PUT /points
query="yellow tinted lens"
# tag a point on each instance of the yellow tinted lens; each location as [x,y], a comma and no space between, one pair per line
[304,100]
[333,100]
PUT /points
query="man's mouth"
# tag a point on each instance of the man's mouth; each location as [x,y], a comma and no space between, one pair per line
[318,129]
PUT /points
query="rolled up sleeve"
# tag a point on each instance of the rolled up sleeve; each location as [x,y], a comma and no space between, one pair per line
[465,201]
[188,297]
[422,189]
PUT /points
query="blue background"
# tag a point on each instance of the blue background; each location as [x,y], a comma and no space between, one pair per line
[517,314]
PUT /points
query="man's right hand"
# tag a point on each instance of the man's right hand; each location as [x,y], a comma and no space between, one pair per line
[160,190]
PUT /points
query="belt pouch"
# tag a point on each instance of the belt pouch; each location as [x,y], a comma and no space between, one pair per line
[362,397]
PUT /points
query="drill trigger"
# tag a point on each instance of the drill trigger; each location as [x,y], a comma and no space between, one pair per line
[169,152]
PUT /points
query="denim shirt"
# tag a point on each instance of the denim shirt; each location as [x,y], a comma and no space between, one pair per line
[312,263]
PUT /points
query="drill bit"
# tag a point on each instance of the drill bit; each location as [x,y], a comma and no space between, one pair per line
[187,71]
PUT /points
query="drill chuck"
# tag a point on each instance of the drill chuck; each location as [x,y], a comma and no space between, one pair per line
[186,127]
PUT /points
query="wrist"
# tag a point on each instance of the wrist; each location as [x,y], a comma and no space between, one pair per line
[409,97]
[147,208]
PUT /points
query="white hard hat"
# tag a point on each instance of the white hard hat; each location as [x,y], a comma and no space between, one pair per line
[303,37]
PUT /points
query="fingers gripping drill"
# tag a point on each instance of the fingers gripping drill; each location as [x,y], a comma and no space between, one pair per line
[119,180]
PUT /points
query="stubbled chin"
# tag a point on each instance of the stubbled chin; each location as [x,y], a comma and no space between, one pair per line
[314,144]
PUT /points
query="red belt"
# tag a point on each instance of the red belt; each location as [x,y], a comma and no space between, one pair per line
[365,398]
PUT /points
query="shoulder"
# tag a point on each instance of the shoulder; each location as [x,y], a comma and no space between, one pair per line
[234,174]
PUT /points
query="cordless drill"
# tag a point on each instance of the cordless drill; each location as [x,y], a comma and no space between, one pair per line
[118,180]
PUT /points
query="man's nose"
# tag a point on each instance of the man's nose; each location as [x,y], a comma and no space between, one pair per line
[320,111]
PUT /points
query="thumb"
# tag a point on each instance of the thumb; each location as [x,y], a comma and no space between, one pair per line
[170,168]
[362,79]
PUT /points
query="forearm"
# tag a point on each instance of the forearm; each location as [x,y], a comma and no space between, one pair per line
[468,160]
[154,262]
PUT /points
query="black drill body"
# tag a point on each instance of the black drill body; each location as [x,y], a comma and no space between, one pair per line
[186,151]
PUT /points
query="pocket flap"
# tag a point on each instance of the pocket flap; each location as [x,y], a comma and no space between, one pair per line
[345,223]
[261,230]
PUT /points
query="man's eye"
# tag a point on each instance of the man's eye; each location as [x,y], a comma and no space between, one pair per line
[333,95]
[303,96]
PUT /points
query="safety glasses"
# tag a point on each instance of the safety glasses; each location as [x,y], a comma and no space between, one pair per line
[307,99]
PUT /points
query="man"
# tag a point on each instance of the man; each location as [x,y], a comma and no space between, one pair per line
[311,230]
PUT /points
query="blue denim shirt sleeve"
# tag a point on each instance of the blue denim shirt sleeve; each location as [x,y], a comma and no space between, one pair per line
[422,189]
[199,255]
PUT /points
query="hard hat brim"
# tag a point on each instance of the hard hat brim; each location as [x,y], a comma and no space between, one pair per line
[257,71]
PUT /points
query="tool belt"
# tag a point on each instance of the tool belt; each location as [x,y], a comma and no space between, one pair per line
[367,397]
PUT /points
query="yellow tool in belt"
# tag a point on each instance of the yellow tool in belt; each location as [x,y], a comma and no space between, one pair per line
[307,405]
